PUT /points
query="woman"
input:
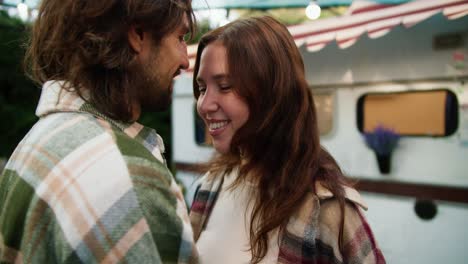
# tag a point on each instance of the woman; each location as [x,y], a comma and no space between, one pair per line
[272,194]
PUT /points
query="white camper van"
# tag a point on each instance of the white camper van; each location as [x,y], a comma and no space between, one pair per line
[412,79]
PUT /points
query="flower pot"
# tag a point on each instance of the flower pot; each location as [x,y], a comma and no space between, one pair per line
[385,162]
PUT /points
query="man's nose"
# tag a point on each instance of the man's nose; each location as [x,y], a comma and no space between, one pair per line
[184,64]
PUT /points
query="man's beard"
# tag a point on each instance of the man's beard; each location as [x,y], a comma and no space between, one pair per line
[152,91]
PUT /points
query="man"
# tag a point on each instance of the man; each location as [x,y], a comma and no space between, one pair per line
[88,183]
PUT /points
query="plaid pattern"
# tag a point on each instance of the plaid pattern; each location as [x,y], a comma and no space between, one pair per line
[83,188]
[311,235]
[203,203]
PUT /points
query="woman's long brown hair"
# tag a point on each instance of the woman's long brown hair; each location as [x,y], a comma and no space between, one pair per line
[280,141]
[86,44]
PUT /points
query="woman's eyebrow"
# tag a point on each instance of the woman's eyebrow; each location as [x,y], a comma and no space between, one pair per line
[217,77]
[220,76]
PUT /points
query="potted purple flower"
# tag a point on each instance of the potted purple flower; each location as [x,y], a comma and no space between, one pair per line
[382,141]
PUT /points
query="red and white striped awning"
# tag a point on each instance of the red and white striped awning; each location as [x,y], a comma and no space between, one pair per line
[366,17]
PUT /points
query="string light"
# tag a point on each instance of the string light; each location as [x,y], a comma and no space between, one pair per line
[23,11]
[313,10]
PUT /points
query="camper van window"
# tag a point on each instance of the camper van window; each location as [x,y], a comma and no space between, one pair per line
[324,104]
[201,134]
[431,113]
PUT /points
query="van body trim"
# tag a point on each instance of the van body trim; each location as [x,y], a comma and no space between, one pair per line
[407,189]
[456,78]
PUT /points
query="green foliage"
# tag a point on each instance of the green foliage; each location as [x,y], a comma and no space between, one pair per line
[161,122]
[203,26]
[292,16]
[18,95]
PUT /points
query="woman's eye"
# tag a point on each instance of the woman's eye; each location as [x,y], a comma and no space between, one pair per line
[201,89]
[225,87]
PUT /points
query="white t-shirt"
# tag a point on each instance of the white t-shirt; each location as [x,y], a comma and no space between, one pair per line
[226,237]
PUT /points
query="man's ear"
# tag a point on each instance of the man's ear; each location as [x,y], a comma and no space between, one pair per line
[135,38]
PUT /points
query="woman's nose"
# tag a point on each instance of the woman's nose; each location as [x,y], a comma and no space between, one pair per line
[207,102]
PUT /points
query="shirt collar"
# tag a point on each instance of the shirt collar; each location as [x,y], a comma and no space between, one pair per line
[350,194]
[59,96]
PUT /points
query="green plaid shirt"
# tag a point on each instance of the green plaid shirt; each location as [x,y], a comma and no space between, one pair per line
[83,188]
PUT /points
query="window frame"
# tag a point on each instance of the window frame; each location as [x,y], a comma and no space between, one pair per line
[449,129]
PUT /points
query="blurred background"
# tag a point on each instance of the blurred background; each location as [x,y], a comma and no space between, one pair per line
[389,79]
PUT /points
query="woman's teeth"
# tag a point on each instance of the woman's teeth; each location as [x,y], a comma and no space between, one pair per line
[217,125]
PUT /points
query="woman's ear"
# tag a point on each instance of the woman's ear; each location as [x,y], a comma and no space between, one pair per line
[135,38]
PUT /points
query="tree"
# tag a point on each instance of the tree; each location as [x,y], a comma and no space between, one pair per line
[18,95]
